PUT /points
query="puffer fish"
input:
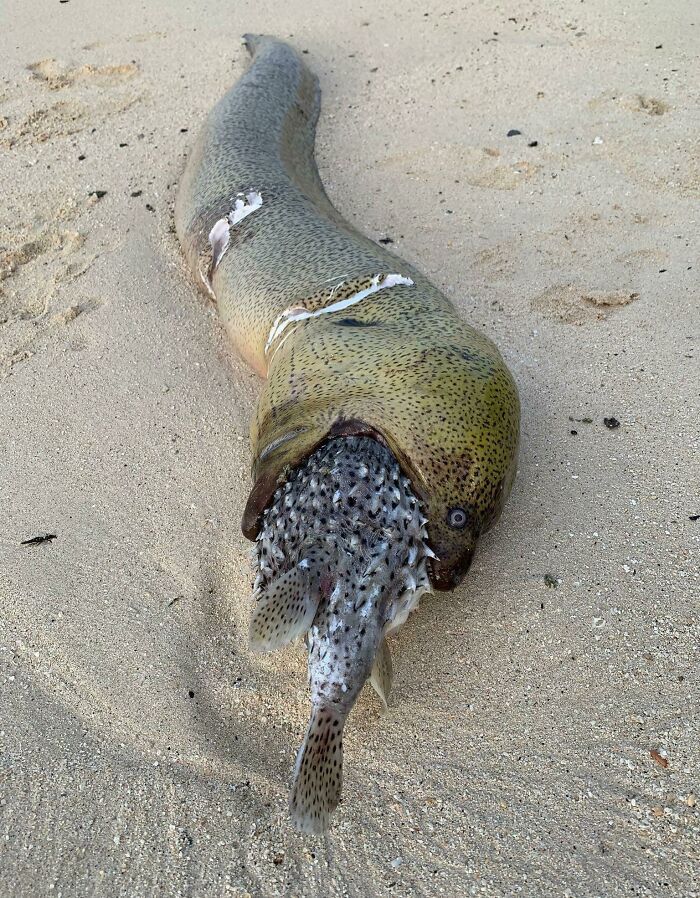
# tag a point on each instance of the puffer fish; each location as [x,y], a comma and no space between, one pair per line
[342,560]
[385,437]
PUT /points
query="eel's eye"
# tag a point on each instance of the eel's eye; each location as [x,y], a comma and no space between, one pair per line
[457,518]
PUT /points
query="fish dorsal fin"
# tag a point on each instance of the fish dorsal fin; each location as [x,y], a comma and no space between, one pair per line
[285,609]
[382,673]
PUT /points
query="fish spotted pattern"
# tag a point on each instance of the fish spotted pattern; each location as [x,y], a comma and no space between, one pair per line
[341,556]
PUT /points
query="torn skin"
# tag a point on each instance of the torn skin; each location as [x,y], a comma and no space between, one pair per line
[298,313]
[220,235]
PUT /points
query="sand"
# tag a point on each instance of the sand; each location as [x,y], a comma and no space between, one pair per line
[543,734]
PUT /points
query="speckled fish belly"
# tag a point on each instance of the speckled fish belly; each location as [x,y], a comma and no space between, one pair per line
[350,338]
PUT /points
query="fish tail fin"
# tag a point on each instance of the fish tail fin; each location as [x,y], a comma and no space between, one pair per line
[318,773]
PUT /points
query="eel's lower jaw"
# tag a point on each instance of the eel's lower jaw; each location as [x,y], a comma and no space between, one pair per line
[446,575]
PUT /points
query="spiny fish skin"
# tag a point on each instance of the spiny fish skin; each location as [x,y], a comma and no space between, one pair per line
[364,565]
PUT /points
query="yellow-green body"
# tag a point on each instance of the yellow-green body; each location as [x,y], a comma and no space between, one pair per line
[398,364]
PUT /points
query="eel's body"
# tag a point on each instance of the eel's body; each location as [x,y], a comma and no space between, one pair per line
[352,341]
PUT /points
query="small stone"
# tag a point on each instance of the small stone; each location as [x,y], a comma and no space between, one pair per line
[513,132]
[611,423]
[660,759]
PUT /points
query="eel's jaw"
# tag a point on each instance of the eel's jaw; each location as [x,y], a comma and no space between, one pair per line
[446,575]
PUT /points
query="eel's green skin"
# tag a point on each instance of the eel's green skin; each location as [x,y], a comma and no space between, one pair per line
[400,364]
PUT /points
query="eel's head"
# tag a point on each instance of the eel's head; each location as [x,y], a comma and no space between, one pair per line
[440,398]
[454,552]
[462,467]
[455,522]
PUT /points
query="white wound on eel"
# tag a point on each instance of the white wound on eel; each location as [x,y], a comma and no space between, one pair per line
[220,235]
[379,282]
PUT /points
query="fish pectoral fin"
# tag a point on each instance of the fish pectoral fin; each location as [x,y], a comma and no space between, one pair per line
[284,611]
[382,673]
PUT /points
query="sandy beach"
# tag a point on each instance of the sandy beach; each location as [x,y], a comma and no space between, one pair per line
[543,734]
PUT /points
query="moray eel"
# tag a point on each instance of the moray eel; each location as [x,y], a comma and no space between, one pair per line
[362,354]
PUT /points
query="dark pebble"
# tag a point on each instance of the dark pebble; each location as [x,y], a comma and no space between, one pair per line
[184,130]
[123,144]
[38,540]
[385,240]
[533,143]
[574,433]
[513,132]
[150,207]
[191,694]
[694,517]
[611,423]
[658,46]
[81,157]
[98,193]
[136,192]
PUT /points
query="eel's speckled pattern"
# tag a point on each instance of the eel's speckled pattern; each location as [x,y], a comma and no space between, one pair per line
[399,365]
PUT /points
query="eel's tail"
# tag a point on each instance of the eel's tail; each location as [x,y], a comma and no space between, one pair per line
[285,96]
[263,127]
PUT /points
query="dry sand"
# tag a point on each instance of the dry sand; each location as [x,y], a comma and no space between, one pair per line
[542,740]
